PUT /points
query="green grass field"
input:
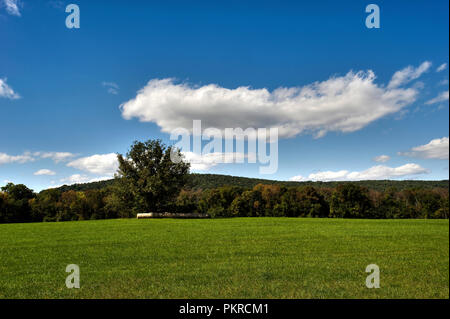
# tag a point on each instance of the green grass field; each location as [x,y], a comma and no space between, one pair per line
[226,258]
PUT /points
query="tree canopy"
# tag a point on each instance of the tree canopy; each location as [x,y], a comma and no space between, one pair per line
[150,176]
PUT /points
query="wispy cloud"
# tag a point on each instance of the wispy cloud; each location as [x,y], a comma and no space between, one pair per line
[442,97]
[6,91]
[7,159]
[44,171]
[442,67]
[373,173]
[12,7]
[408,74]
[382,158]
[80,179]
[56,4]
[57,157]
[111,87]
[435,149]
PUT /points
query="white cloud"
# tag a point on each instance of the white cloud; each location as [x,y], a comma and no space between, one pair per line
[29,157]
[435,149]
[12,7]
[373,173]
[408,74]
[101,164]
[442,67]
[79,179]
[206,161]
[322,176]
[76,178]
[107,164]
[57,4]
[44,171]
[7,159]
[57,157]
[6,91]
[382,158]
[343,104]
[112,87]
[442,97]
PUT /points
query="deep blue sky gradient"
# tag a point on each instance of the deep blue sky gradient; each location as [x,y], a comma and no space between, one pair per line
[58,73]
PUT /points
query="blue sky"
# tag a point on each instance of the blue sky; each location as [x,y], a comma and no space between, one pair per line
[60,88]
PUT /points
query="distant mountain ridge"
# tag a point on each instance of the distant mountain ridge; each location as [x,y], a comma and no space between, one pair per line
[208,181]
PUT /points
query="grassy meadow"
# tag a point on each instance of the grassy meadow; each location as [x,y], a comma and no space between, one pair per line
[226,258]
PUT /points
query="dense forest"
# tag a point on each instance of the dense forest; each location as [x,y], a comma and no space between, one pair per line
[149,181]
[348,200]
[210,181]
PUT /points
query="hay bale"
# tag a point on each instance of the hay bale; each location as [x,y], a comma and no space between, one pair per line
[144,215]
[171,215]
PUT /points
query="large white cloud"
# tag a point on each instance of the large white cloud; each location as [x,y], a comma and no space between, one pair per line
[343,103]
[373,173]
[435,149]
[101,164]
[6,91]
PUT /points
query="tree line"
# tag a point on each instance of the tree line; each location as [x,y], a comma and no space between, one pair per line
[149,181]
[197,181]
[20,204]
